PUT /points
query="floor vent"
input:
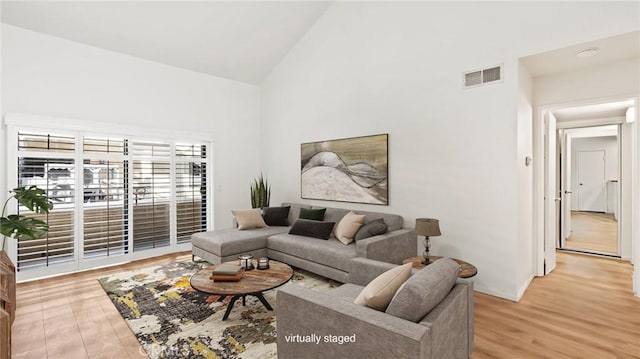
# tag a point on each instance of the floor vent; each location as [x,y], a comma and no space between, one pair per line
[483,76]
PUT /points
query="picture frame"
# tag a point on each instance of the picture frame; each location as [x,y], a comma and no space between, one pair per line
[354,169]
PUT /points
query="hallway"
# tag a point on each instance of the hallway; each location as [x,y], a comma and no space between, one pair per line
[593,232]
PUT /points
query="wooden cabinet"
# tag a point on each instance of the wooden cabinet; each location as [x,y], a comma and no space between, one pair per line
[7,303]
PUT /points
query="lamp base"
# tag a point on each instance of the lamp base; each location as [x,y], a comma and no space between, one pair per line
[426,262]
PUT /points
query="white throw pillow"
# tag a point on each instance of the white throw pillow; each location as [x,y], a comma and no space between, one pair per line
[249,218]
[381,290]
[348,227]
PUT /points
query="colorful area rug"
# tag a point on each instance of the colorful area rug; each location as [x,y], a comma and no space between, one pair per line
[173,320]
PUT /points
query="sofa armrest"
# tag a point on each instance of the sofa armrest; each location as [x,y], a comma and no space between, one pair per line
[364,270]
[304,314]
[449,322]
[392,247]
[468,285]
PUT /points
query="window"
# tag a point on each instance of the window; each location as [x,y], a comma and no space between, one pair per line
[56,176]
[113,196]
[191,190]
[105,197]
[152,195]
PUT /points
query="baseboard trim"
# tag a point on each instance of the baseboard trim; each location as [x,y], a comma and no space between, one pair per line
[524,287]
[600,254]
[493,293]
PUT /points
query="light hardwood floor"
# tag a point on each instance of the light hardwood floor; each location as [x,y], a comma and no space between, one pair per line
[593,232]
[584,309]
[71,317]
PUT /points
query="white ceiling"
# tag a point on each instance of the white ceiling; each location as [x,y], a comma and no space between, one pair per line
[597,111]
[241,40]
[611,49]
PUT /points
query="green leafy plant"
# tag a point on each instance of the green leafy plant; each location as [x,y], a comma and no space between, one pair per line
[260,193]
[22,227]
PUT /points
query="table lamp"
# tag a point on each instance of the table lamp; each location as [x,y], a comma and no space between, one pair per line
[427,227]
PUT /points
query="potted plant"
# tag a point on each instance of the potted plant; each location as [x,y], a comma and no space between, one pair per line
[18,227]
[260,193]
[22,227]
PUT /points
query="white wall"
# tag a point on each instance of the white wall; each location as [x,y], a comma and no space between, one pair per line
[45,75]
[619,78]
[396,68]
[525,179]
[609,144]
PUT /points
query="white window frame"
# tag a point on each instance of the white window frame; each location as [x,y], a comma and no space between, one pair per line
[16,123]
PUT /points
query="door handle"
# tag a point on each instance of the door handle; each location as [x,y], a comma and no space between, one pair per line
[567,192]
[581,184]
[557,199]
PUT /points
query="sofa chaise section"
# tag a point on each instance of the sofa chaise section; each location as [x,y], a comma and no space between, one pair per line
[227,244]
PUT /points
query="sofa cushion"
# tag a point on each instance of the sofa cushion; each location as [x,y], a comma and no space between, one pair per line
[379,292]
[294,212]
[276,216]
[331,253]
[371,229]
[348,226]
[424,290]
[312,214]
[249,218]
[334,214]
[310,228]
[393,221]
[231,241]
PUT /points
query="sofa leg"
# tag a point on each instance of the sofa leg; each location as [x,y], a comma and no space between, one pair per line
[193,258]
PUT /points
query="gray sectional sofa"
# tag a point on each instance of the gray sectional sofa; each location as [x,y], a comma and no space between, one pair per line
[329,258]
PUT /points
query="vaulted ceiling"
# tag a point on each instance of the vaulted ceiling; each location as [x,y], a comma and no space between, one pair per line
[237,40]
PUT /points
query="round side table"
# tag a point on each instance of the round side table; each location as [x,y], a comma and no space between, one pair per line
[467,270]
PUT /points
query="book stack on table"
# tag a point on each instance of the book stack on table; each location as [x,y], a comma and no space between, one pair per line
[227,273]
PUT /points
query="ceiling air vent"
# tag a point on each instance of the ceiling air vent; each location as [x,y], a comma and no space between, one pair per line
[483,76]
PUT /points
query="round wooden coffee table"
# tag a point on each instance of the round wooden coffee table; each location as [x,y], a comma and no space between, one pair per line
[254,282]
[467,270]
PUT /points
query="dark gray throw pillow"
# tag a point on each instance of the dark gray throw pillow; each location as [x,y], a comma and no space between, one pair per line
[276,216]
[311,228]
[371,229]
[424,290]
[313,214]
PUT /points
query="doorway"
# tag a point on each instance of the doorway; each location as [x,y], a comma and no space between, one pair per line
[558,122]
[590,171]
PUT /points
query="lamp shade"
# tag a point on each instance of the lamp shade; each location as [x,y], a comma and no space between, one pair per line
[427,227]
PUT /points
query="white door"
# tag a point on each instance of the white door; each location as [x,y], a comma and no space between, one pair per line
[566,187]
[551,199]
[591,181]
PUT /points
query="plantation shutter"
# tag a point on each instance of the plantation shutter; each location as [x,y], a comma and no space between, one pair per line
[114,196]
[151,195]
[191,190]
[41,162]
[105,205]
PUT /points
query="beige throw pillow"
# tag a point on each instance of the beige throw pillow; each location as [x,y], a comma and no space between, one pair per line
[348,227]
[249,218]
[381,290]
